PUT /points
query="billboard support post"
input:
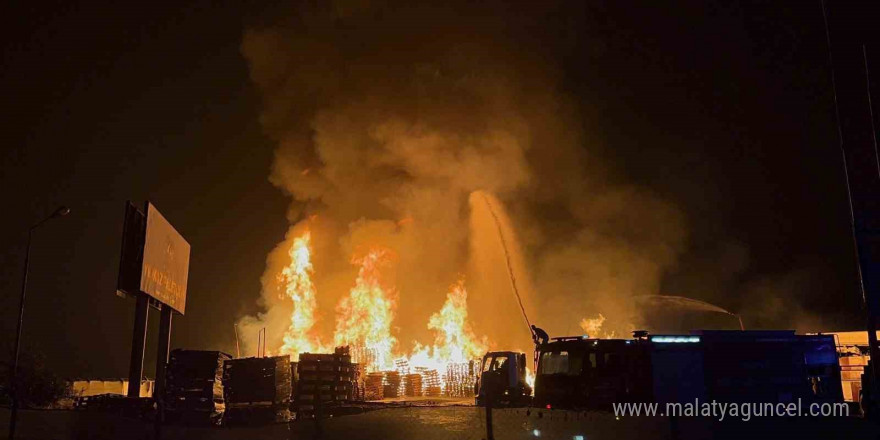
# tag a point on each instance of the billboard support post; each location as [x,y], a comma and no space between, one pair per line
[161,364]
[162,358]
[138,345]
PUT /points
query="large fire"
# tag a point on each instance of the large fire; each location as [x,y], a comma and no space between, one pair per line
[364,322]
[454,342]
[364,316]
[296,281]
[455,348]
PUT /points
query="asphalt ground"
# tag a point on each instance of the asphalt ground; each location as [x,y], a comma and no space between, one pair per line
[444,422]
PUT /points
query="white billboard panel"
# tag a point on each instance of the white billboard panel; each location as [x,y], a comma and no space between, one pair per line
[166,262]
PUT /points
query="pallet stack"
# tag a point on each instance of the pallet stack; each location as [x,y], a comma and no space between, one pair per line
[324,379]
[257,390]
[359,390]
[391,385]
[401,366]
[431,383]
[373,387]
[294,379]
[368,358]
[460,379]
[412,385]
[194,386]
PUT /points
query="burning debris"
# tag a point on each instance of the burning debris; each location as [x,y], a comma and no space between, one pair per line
[364,328]
[373,389]
[366,357]
[460,378]
[432,384]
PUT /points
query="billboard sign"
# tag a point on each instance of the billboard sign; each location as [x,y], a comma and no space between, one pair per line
[165,266]
[132,255]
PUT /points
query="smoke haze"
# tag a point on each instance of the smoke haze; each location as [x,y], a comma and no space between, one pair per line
[390,116]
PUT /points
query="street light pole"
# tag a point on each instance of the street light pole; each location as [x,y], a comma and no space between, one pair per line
[60,212]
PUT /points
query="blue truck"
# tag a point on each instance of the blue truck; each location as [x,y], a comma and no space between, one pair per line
[720,365]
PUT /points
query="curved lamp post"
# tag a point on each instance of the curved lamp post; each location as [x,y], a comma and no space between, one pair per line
[60,212]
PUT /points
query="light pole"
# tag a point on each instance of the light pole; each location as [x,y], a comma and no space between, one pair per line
[60,212]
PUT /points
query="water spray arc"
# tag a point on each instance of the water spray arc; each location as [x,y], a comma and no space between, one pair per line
[507,258]
[688,303]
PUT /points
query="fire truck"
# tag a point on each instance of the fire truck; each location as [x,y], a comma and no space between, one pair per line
[720,365]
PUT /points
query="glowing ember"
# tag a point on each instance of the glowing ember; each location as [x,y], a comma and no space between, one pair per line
[364,316]
[297,285]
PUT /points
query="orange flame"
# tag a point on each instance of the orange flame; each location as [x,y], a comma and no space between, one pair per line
[298,286]
[364,316]
[454,340]
[364,321]
[593,327]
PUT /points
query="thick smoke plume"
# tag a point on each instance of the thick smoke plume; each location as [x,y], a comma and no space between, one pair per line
[389,115]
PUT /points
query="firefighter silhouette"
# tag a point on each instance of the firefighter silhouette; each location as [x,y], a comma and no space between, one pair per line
[539,335]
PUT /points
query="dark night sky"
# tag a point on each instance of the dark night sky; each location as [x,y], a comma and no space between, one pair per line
[725,110]
[106,105]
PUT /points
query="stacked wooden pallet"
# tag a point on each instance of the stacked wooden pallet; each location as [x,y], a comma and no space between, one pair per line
[431,383]
[194,386]
[403,369]
[460,378]
[402,366]
[412,385]
[367,357]
[391,388]
[324,379]
[373,388]
[360,374]
[257,390]
[294,380]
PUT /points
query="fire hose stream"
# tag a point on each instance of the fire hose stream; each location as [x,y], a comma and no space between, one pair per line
[509,264]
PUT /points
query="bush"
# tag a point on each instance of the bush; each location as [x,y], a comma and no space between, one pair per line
[37,386]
